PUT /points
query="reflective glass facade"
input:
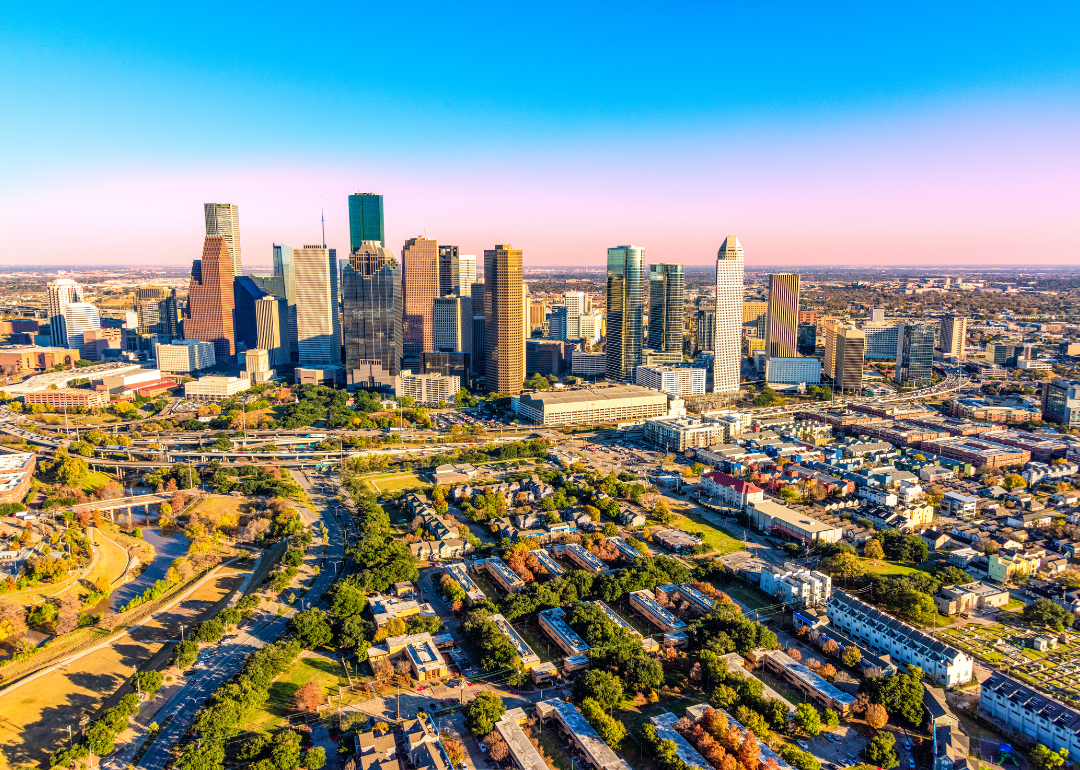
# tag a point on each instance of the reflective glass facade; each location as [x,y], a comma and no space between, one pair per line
[365,220]
[666,308]
[915,355]
[625,311]
[372,311]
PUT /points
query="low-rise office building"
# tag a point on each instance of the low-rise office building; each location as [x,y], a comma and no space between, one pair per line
[769,516]
[645,603]
[216,388]
[904,644]
[184,356]
[16,476]
[588,364]
[676,380]
[68,398]
[387,608]
[424,658]
[618,404]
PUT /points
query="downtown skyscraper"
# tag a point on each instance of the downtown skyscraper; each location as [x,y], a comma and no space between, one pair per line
[210,298]
[365,220]
[727,323]
[625,311]
[666,308]
[372,312]
[318,327]
[223,220]
[62,292]
[504,343]
[782,333]
[419,288]
[157,311]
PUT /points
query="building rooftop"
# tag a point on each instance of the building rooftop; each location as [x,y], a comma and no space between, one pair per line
[599,754]
[548,563]
[521,748]
[425,656]
[555,620]
[645,598]
[811,679]
[915,640]
[18,461]
[665,728]
[614,618]
[524,651]
[586,556]
[581,396]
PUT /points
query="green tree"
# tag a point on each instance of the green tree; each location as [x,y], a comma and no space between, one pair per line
[844,565]
[1044,758]
[612,731]
[315,759]
[807,719]
[873,550]
[881,751]
[185,654]
[312,628]
[917,606]
[606,689]
[202,755]
[286,751]
[949,575]
[851,657]
[832,719]
[482,712]
[1044,612]
[901,694]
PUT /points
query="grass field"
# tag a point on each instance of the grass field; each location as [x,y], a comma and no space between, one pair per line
[711,535]
[327,673]
[390,482]
[224,505]
[882,567]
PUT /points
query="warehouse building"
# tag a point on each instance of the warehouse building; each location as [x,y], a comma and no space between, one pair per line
[619,404]
[768,516]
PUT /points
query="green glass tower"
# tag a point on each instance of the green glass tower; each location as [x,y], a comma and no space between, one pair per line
[625,308]
[365,220]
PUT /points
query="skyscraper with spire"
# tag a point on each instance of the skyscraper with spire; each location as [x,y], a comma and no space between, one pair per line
[210,298]
[727,323]
[365,220]
[223,220]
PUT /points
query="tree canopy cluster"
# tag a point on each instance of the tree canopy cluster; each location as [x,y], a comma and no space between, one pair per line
[615,650]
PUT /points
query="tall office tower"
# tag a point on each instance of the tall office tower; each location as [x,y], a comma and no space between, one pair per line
[574,302]
[453,324]
[245,323]
[504,346]
[419,288]
[954,336]
[558,323]
[479,351]
[526,327]
[1061,402]
[704,328]
[157,311]
[318,328]
[756,314]
[79,318]
[463,270]
[807,342]
[666,307]
[729,311]
[372,308]
[783,325]
[365,220]
[269,313]
[223,220]
[877,315]
[849,348]
[915,354]
[62,292]
[448,256]
[210,299]
[625,308]
[283,270]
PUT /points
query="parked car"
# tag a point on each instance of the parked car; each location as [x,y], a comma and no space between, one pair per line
[803,745]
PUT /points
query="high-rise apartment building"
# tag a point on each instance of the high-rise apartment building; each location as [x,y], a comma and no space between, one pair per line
[372,309]
[704,328]
[463,270]
[365,220]
[783,324]
[271,325]
[574,302]
[448,257]
[504,344]
[419,288]
[62,292]
[453,324]
[79,318]
[728,321]
[845,350]
[157,311]
[223,220]
[877,315]
[318,327]
[915,355]
[954,336]
[210,298]
[625,311]
[666,307]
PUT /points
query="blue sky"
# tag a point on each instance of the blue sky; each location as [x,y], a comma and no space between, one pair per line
[559,127]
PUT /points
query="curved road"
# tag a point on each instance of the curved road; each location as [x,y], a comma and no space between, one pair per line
[229,657]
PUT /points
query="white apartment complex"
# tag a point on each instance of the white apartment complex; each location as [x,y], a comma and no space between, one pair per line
[793,371]
[185,356]
[1030,712]
[886,635]
[677,434]
[795,586]
[676,380]
[427,389]
[727,337]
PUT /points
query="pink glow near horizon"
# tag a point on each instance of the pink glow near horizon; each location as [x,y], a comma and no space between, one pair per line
[902,200]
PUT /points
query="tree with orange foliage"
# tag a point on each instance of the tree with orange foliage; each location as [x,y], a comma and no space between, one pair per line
[732,739]
[830,647]
[518,563]
[793,653]
[308,697]
[828,671]
[749,751]
[876,716]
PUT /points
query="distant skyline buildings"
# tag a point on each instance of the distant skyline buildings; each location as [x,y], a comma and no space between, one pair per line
[61,293]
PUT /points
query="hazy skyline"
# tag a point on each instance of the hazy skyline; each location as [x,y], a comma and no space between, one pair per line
[921,134]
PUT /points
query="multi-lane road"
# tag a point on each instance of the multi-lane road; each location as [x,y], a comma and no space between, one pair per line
[228,658]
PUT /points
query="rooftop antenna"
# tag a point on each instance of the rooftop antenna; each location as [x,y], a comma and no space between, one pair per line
[323,210]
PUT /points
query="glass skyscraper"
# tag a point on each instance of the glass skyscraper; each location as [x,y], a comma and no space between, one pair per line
[666,308]
[915,355]
[625,311]
[372,310]
[365,220]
